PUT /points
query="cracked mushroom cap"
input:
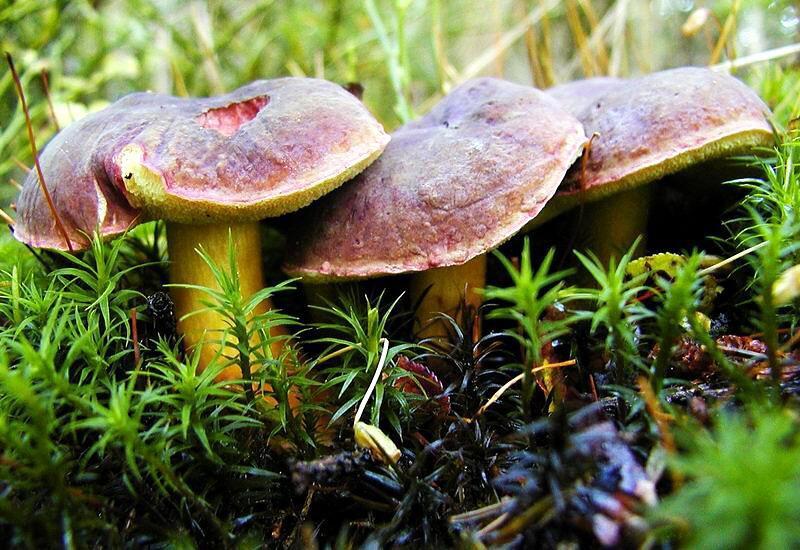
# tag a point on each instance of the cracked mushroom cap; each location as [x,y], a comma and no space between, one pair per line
[659,124]
[450,186]
[268,148]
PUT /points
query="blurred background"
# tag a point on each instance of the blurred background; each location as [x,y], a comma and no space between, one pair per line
[404,53]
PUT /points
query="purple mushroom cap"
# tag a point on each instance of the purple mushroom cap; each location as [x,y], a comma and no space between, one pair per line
[578,95]
[658,124]
[268,148]
[450,186]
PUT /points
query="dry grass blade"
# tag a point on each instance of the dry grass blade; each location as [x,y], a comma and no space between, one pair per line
[594,22]
[580,40]
[662,420]
[618,38]
[725,34]
[21,165]
[505,41]
[546,57]
[726,261]
[532,50]
[46,87]
[443,68]
[6,218]
[596,37]
[497,22]
[504,388]
[201,21]
[761,57]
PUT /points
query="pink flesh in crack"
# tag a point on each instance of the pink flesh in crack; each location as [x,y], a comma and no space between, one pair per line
[227,120]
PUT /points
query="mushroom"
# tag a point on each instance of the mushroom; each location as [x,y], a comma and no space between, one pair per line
[645,129]
[580,94]
[449,187]
[211,167]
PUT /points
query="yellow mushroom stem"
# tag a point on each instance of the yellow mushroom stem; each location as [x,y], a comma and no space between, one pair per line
[446,287]
[187,267]
[610,225]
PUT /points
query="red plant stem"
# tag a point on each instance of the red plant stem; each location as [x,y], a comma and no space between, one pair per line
[135,336]
[21,94]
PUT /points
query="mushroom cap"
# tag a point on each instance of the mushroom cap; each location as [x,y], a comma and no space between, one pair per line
[575,96]
[659,124]
[266,149]
[449,187]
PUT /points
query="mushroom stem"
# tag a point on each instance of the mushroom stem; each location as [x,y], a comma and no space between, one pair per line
[447,287]
[187,267]
[611,225]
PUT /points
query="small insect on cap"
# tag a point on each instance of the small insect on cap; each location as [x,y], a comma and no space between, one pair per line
[659,124]
[265,149]
[449,187]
